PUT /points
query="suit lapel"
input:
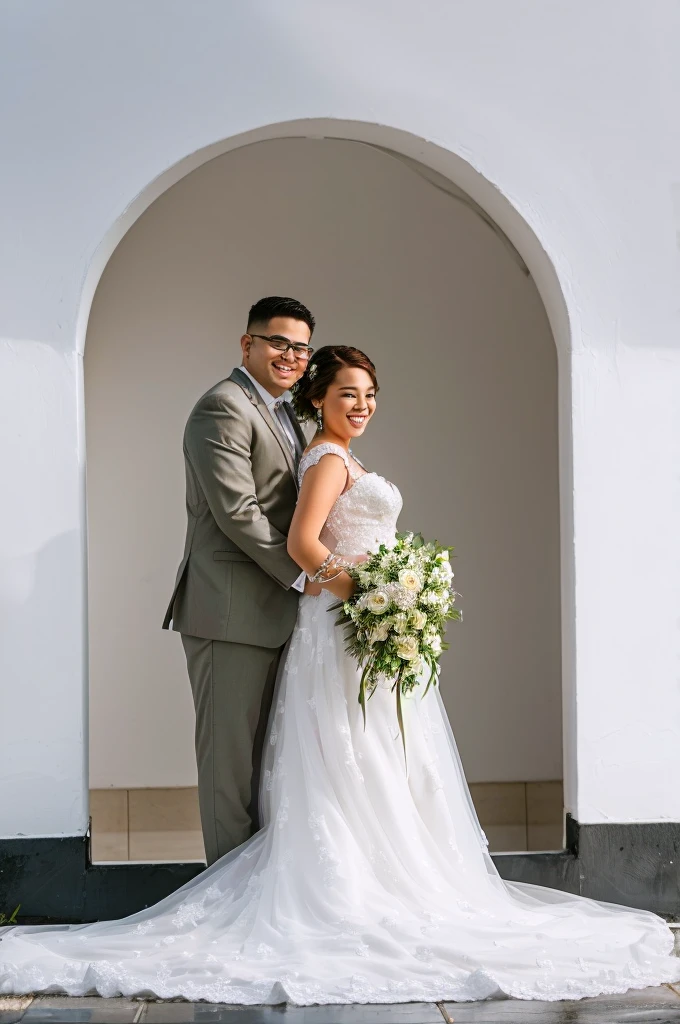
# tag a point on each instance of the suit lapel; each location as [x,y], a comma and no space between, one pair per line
[252,393]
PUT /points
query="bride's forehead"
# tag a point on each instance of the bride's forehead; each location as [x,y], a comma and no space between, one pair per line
[354,377]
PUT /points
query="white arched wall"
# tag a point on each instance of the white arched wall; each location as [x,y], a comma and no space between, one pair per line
[467,425]
[475,91]
[48,804]
[62,797]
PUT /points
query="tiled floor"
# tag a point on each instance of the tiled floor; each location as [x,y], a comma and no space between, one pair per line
[647,1006]
[164,824]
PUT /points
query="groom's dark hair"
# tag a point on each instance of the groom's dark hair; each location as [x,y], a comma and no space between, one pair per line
[265,310]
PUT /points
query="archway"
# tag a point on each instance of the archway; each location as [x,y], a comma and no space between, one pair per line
[485,473]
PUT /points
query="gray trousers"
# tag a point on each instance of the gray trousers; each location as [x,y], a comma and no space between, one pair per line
[232,687]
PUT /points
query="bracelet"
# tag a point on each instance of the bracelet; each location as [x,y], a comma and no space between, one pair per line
[322,568]
[329,564]
[323,577]
[327,579]
[341,568]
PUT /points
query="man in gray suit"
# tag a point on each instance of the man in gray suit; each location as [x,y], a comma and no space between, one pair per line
[237,588]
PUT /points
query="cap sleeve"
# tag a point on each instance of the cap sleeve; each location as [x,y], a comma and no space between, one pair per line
[314,456]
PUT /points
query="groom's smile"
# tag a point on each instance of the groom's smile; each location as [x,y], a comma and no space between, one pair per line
[284,370]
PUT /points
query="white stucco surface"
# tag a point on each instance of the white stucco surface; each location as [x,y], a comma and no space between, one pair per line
[560,119]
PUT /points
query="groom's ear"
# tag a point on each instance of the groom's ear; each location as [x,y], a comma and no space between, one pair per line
[246,342]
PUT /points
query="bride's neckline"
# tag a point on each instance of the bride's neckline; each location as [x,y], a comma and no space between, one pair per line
[367,472]
[348,451]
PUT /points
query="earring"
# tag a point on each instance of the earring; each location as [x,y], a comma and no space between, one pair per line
[319,419]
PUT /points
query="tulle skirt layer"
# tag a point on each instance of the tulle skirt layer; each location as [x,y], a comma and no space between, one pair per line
[370,882]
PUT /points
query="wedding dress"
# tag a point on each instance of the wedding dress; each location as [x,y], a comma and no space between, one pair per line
[371,880]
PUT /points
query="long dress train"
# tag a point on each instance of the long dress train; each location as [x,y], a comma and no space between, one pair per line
[369,882]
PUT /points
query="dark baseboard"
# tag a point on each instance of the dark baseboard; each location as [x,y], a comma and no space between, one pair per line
[52,881]
[634,865]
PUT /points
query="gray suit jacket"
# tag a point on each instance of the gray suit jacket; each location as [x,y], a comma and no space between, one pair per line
[234,581]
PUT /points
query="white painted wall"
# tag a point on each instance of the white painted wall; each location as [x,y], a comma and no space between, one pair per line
[467,426]
[560,119]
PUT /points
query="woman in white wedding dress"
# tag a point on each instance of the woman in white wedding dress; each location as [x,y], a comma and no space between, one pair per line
[367,883]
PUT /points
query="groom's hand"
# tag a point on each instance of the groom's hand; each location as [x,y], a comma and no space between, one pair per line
[312,588]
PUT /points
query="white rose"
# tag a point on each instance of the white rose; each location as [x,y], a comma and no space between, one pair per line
[436,644]
[418,618]
[400,622]
[407,648]
[410,580]
[377,601]
[379,632]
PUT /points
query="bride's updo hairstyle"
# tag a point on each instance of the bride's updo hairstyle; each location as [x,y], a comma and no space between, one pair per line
[322,370]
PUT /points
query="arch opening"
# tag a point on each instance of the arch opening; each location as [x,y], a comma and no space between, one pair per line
[471,332]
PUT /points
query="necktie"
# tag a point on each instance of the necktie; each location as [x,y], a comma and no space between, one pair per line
[286,427]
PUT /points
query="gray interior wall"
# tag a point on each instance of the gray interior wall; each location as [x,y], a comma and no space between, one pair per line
[466,426]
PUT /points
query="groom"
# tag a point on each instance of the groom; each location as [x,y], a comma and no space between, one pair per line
[237,588]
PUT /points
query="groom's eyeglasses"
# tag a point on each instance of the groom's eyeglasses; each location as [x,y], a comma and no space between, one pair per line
[281,344]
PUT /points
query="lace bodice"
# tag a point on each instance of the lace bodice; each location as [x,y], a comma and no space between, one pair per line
[365,515]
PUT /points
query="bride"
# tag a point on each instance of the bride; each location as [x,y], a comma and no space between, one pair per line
[368,882]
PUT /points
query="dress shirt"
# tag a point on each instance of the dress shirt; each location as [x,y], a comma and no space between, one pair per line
[274,406]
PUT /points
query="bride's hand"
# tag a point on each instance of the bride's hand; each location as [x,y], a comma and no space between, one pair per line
[343,586]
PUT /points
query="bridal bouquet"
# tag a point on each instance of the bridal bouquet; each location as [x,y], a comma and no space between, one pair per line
[395,620]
